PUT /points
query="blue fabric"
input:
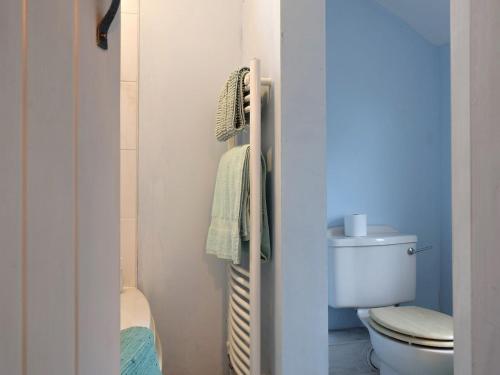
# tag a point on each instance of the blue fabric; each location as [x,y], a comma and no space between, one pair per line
[138,353]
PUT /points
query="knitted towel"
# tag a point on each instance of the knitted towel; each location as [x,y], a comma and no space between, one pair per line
[229,231]
[138,354]
[231,118]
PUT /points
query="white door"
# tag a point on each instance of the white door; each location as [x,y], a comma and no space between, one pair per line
[59,190]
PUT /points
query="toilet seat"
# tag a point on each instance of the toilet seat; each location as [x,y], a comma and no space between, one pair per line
[414,326]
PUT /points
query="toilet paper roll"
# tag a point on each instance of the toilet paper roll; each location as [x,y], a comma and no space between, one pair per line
[355,225]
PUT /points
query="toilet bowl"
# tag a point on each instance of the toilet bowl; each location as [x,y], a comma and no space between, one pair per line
[375,273]
[415,350]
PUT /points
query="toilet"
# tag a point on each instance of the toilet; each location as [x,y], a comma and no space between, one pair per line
[376,273]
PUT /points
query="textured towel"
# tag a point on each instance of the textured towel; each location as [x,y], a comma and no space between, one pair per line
[229,231]
[231,118]
[138,354]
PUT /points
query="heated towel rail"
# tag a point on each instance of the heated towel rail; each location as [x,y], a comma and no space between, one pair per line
[244,340]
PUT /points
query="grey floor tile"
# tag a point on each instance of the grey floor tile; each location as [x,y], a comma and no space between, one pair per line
[344,336]
[348,352]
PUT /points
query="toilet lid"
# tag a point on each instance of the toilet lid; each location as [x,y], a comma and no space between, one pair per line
[411,340]
[415,325]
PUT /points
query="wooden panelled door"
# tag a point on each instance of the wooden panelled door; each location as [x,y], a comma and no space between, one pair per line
[59,189]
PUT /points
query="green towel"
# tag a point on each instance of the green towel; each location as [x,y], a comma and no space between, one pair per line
[138,353]
[231,119]
[229,231]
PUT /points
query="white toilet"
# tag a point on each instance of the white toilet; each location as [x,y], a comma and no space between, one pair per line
[374,274]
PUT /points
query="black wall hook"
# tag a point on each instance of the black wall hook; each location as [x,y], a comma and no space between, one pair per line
[103,27]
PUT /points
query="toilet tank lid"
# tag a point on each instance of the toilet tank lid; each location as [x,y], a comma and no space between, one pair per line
[377,235]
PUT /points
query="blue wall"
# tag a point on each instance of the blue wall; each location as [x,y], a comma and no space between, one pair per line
[386,125]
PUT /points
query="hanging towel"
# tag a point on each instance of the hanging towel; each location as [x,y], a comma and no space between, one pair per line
[231,118]
[137,352]
[229,231]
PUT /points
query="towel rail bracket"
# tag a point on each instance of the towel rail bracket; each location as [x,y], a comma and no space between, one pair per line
[104,25]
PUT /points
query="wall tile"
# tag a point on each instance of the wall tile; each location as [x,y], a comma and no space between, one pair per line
[128,115]
[130,6]
[129,47]
[128,140]
[128,251]
[128,184]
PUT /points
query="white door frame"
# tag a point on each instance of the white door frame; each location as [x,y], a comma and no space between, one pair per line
[461,183]
[475,57]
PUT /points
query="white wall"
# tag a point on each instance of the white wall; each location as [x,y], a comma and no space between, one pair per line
[181,73]
[187,50]
[289,38]
[59,230]
[303,260]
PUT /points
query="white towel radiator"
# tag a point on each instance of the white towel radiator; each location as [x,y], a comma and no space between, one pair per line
[244,341]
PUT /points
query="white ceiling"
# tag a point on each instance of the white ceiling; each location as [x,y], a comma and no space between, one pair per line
[430,18]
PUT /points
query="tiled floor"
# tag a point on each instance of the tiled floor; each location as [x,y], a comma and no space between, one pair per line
[348,352]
